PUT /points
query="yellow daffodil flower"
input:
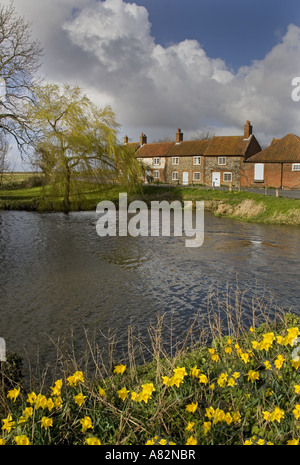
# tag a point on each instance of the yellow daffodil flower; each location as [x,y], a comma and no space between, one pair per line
[93,442]
[86,424]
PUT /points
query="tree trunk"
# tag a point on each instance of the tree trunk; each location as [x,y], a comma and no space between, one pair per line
[67,188]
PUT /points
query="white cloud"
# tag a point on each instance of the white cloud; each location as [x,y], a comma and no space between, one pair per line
[107,48]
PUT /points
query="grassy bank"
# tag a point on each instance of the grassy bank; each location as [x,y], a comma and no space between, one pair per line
[246,206]
[242,388]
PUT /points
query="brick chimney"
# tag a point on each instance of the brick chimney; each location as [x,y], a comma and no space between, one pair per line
[143,139]
[247,130]
[179,136]
[126,140]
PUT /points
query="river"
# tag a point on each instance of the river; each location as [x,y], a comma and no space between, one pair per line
[59,278]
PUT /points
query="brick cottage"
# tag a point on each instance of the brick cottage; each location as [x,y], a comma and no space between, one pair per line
[210,162]
[276,166]
[236,161]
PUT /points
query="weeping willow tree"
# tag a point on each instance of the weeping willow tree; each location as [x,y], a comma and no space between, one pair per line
[78,144]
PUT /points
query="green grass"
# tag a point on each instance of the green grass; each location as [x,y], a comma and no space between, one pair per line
[241,205]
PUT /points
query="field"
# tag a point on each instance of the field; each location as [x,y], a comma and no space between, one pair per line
[28,192]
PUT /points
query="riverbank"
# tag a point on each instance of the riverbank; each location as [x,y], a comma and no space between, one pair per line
[242,205]
[240,389]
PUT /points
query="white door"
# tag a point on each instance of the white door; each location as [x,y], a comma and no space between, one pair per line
[216,179]
[185,178]
[258,172]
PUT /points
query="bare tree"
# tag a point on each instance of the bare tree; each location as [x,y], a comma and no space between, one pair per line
[19,63]
[203,134]
[4,163]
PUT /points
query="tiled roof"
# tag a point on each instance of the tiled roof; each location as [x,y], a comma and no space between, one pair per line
[282,150]
[185,148]
[217,146]
[159,149]
[227,145]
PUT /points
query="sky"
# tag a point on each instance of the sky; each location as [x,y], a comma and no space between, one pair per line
[196,65]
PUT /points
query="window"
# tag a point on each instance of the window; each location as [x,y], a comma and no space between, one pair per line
[296,167]
[197,160]
[196,176]
[156,174]
[175,160]
[258,172]
[156,161]
[175,176]
[227,177]
[222,161]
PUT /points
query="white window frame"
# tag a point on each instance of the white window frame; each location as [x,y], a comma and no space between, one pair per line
[197,160]
[155,172]
[175,160]
[226,173]
[196,172]
[176,175]
[156,161]
[222,161]
[296,167]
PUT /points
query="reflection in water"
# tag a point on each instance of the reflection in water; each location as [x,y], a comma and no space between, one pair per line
[57,275]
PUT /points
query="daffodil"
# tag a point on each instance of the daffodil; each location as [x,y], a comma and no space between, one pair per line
[93,441]
[102,392]
[296,411]
[46,422]
[50,404]
[206,427]
[279,362]
[41,401]
[86,424]
[123,393]
[210,411]
[191,407]
[56,389]
[221,381]
[268,365]
[74,379]
[190,426]
[297,388]
[79,399]
[22,440]
[253,375]
[195,372]
[295,363]
[31,398]
[8,423]
[58,402]
[293,442]
[191,441]
[276,415]
[203,379]
[292,334]
[219,416]
[120,369]
[13,394]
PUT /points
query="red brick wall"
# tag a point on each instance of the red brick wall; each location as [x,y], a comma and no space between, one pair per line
[273,174]
[290,179]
